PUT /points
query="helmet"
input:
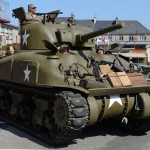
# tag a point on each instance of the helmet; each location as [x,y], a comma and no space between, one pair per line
[64,48]
[100,48]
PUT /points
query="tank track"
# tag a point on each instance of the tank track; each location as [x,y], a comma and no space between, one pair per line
[77,106]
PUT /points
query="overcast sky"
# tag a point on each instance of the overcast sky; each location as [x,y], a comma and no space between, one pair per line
[86,9]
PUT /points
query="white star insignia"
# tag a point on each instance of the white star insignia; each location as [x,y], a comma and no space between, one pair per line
[113,99]
[25,36]
[26,72]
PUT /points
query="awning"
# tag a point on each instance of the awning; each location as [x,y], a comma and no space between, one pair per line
[133,55]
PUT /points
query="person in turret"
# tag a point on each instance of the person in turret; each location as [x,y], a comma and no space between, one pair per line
[100,50]
[64,49]
[31,14]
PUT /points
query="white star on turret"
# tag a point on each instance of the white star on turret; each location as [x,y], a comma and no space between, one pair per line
[26,72]
[113,99]
[25,36]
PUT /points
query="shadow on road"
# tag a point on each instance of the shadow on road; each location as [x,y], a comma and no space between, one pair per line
[102,129]
[22,134]
[3,125]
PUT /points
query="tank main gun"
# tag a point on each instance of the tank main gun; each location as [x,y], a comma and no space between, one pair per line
[85,37]
[82,37]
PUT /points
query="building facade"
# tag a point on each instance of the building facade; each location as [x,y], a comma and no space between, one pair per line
[8,34]
[134,35]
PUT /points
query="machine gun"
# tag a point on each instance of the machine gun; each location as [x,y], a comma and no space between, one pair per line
[95,65]
[50,16]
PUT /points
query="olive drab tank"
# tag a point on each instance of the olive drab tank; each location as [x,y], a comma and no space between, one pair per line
[57,84]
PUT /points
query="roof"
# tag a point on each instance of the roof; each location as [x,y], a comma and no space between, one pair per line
[10,25]
[132,27]
[4,20]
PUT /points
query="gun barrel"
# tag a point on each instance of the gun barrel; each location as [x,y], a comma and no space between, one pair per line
[93,34]
[53,12]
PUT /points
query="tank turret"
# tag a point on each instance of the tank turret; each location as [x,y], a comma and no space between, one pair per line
[57,84]
[79,39]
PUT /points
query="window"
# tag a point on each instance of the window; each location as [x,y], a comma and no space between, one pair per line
[120,38]
[143,38]
[131,38]
[110,38]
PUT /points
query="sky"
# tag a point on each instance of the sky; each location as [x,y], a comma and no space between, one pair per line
[87,9]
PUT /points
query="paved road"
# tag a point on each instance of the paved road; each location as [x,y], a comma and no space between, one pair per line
[98,137]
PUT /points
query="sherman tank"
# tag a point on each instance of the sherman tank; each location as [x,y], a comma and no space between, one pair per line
[57,84]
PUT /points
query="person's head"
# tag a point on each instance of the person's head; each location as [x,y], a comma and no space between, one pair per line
[64,48]
[100,50]
[32,8]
